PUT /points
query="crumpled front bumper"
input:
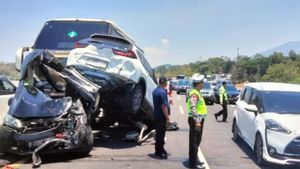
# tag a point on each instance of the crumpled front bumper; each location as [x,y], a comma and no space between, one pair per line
[26,144]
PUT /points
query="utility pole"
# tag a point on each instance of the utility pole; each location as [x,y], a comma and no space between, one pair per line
[238,51]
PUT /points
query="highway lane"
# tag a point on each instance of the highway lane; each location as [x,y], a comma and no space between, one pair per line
[219,150]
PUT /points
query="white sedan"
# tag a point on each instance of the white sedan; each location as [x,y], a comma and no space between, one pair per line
[7,90]
[267,117]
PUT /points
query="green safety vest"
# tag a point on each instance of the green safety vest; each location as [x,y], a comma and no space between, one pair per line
[200,107]
[223,94]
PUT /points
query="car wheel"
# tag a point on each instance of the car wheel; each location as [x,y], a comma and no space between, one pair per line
[235,132]
[258,150]
[88,141]
[135,99]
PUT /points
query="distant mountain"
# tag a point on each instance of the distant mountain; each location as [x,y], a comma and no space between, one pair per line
[285,48]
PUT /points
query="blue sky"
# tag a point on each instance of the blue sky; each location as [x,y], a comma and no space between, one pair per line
[170,31]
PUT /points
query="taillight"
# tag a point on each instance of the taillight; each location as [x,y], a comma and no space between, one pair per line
[129,53]
[59,135]
[79,45]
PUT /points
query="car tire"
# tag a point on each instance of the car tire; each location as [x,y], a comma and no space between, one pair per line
[258,151]
[235,132]
[88,141]
[135,99]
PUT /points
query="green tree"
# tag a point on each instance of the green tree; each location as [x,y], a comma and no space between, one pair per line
[283,72]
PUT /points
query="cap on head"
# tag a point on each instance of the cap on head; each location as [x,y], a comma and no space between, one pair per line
[197,78]
[224,83]
[162,80]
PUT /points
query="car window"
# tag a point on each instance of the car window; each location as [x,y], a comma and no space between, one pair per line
[6,87]
[253,99]
[147,66]
[247,96]
[62,35]
[243,94]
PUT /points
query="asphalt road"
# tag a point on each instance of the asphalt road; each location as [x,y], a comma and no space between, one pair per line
[218,148]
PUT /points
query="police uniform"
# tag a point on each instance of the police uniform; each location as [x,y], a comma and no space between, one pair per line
[223,102]
[197,114]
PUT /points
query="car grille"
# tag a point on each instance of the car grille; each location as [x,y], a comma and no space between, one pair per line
[293,148]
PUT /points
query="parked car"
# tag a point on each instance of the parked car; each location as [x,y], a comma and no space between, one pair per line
[173,85]
[50,110]
[121,69]
[208,93]
[228,82]
[267,118]
[232,93]
[7,91]
[59,36]
[183,86]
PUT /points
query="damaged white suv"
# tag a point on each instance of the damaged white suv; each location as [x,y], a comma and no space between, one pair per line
[117,65]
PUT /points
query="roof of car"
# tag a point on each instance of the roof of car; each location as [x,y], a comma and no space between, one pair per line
[274,86]
[96,20]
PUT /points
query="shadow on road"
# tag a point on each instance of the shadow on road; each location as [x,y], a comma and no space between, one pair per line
[247,150]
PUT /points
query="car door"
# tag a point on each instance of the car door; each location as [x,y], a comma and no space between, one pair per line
[240,112]
[250,117]
[7,91]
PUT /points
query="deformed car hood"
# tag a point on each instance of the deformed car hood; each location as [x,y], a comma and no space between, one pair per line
[30,102]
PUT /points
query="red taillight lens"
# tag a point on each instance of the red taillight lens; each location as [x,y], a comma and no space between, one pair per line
[129,54]
[80,45]
[59,135]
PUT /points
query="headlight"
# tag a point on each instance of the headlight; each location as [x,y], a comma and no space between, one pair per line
[12,122]
[275,126]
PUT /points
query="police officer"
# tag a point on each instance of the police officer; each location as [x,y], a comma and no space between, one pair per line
[223,102]
[161,117]
[197,114]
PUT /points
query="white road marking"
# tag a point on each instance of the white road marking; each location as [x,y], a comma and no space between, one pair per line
[181,110]
[178,97]
[202,159]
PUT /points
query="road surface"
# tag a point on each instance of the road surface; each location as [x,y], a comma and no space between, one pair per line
[218,149]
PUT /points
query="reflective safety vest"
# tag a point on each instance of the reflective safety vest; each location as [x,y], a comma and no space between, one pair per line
[223,94]
[200,107]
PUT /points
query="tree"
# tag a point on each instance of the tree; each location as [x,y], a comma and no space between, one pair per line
[283,72]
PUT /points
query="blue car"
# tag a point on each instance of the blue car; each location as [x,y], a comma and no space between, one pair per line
[232,93]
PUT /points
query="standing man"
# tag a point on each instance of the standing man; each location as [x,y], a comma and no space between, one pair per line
[161,116]
[223,102]
[197,113]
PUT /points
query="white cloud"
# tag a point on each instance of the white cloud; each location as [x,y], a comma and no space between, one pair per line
[158,55]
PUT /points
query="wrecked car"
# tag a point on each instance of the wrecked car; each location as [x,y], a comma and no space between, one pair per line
[126,78]
[49,112]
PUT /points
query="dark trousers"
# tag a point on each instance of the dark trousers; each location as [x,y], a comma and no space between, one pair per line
[160,127]
[194,140]
[223,112]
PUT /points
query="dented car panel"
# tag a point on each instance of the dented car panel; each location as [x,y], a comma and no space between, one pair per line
[118,66]
[49,112]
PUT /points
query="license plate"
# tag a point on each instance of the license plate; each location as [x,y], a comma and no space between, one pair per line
[96,63]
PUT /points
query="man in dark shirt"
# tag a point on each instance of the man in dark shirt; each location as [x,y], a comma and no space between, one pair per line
[161,116]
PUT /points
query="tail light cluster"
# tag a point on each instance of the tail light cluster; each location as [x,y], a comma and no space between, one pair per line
[129,53]
[80,45]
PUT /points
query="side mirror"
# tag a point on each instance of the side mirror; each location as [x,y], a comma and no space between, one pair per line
[252,108]
[20,57]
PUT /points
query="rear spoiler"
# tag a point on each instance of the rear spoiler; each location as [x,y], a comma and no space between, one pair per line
[95,37]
